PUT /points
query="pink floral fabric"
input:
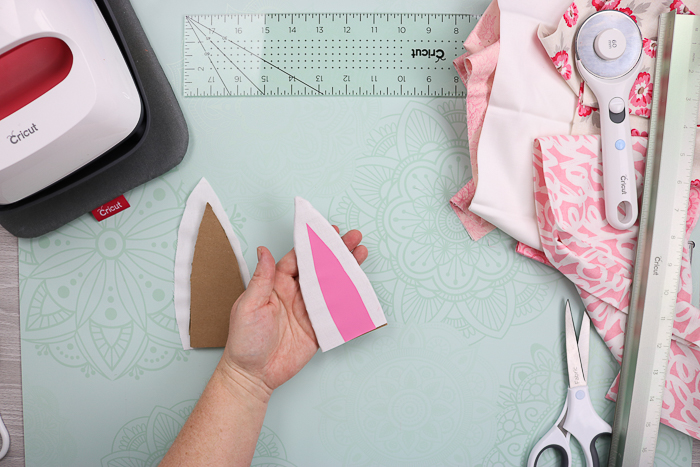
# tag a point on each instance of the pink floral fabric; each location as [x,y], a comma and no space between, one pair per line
[561,62]
[681,8]
[649,47]
[559,46]
[571,15]
[605,4]
[598,259]
[640,95]
[477,68]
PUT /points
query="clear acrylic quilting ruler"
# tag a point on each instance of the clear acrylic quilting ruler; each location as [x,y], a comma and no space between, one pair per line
[660,244]
[320,54]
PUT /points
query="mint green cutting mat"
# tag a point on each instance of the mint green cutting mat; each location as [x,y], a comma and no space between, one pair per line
[469,372]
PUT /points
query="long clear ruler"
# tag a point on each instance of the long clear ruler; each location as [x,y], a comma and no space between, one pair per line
[660,244]
[324,54]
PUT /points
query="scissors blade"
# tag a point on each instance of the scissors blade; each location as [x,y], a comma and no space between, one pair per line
[573,359]
[560,425]
[583,340]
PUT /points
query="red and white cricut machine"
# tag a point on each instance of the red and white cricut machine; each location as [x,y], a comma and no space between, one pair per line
[66,94]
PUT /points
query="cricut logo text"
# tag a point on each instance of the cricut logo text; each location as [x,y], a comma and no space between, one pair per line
[623,184]
[439,54]
[118,204]
[21,135]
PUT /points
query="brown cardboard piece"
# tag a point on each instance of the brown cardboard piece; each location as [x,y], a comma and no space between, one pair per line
[216,284]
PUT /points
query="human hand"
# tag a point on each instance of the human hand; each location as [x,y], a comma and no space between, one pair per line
[270,335]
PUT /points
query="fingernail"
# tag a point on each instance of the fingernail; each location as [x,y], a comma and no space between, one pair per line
[259,253]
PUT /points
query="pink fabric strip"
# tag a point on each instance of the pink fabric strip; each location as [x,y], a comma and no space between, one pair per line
[477,68]
[339,292]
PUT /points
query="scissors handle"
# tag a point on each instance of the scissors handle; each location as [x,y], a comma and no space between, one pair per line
[554,439]
[583,422]
[4,439]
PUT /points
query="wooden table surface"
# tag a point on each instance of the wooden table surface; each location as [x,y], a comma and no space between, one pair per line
[10,374]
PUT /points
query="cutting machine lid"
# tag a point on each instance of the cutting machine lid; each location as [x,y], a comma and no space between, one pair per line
[70,95]
[158,143]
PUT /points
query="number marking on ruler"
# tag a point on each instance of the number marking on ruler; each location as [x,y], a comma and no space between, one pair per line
[321,54]
[660,245]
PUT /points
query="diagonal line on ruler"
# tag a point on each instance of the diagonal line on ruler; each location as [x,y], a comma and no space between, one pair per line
[258,56]
[212,63]
[227,57]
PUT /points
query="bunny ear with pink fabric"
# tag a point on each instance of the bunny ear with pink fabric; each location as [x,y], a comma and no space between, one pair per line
[339,298]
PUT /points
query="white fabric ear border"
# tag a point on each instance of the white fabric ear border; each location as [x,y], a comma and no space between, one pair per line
[186,240]
[327,332]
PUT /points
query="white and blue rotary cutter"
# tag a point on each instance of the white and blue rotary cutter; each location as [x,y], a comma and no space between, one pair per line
[608,48]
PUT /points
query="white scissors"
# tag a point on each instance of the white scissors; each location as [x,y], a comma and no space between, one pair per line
[5,439]
[578,417]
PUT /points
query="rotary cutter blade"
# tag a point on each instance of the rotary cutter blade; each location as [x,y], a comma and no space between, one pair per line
[608,48]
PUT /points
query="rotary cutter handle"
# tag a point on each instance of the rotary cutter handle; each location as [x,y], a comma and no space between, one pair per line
[619,185]
[608,57]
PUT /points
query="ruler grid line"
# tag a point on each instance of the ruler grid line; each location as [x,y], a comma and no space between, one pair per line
[217,71]
[266,61]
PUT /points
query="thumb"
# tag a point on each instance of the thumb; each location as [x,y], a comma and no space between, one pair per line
[263,280]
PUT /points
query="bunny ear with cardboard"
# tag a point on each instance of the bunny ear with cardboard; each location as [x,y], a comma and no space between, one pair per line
[339,298]
[210,271]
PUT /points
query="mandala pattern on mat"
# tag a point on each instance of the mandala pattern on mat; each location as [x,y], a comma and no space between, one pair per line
[98,296]
[407,395]
[534,396]
[673,448]
[423,264]
[49,441]
[143,442]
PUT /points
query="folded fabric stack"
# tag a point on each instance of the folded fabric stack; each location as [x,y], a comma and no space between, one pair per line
[546,191]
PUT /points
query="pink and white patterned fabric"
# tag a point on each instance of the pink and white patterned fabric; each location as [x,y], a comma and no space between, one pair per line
[477,68]
[598,259]
[559,46]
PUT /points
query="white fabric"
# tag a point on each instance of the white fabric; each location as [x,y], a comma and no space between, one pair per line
[202,195]
[529,99]
[327,333]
